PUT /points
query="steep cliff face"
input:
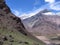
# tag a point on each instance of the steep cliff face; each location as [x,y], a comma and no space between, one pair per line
[9,20]
[4,7]
[12,30]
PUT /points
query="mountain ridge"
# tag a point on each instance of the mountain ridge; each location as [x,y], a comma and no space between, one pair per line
[43,24]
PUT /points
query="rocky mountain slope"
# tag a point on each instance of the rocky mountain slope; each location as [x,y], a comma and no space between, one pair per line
[40,24]
[12,30]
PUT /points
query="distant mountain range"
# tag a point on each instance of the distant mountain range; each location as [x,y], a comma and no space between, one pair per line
[44,23]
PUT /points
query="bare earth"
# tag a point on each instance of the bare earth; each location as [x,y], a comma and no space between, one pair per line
[44,39]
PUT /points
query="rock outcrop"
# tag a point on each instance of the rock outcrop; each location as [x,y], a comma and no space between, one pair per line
[9,20]
[4,7]
[12,30]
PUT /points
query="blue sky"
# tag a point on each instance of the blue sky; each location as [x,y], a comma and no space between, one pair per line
[31,7]
[25,5]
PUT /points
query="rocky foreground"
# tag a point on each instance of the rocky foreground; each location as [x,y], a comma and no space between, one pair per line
[12,30]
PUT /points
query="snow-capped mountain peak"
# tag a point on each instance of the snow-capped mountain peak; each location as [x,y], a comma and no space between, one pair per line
[48,13]
[24,16]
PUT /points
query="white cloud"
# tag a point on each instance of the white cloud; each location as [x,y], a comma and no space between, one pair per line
[32,13]
[55,6]
[49,13]
[23,15]
[16,12]
[50,1]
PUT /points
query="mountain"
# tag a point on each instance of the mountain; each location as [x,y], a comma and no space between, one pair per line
[27,15]
[12,30]
[43,23]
